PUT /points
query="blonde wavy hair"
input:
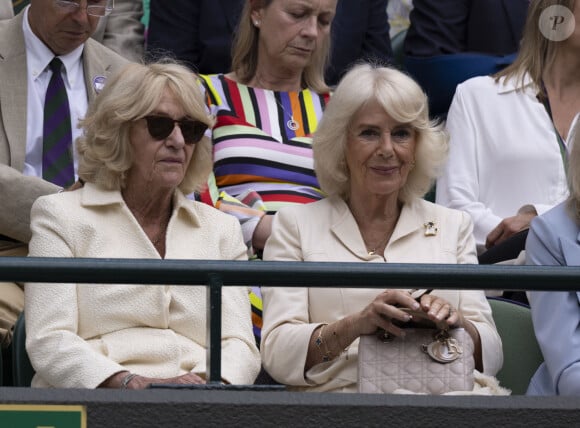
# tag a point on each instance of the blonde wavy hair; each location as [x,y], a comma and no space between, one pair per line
[536,53]
[245,52]
[404,101]
[133,93]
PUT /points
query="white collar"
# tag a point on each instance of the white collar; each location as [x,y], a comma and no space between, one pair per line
[505,86]
[39,55]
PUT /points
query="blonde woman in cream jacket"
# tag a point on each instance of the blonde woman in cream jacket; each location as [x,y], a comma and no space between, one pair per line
[375,155]
[143,149]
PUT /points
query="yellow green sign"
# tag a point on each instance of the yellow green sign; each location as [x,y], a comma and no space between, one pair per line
[42,416]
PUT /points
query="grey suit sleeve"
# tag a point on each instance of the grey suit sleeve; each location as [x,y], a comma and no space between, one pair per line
[6,9]
[18,194]
[123,30]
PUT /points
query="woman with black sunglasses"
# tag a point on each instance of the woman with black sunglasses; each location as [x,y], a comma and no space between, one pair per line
[143,149]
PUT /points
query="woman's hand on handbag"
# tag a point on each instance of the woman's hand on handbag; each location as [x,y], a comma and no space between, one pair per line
[382,310]
[439,309]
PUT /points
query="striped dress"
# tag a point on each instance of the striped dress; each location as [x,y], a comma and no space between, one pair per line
[261,164]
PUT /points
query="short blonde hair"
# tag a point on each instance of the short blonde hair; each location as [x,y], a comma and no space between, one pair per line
[404,101]
[536,53]
[245,52]
[134,92]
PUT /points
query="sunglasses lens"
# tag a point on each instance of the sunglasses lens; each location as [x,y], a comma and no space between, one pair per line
[192,131]
[159,127]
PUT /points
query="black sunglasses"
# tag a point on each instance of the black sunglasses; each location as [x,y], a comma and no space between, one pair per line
[160,127]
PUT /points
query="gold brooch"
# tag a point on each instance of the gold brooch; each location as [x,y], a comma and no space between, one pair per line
[430,228]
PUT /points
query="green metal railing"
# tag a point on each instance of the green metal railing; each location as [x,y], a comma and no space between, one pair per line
[217,274]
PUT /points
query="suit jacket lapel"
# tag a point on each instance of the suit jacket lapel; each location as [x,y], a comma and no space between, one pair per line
[96,68]
[570,251]
[14,89]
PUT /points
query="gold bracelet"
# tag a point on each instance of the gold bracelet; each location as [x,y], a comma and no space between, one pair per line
[320,342]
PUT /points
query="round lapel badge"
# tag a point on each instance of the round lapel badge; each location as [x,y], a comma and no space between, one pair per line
[99,83]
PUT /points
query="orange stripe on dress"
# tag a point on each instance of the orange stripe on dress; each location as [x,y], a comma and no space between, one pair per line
[297,113]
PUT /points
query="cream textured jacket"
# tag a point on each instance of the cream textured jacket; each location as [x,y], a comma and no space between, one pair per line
[327,231]
[79,334]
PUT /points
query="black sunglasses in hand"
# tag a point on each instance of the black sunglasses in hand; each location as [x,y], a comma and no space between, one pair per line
[161,127]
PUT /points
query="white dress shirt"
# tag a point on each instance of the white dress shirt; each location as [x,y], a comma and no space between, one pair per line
[503,154]
[38,56]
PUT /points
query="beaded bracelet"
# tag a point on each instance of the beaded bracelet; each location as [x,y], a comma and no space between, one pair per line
[127,379]
[320,342]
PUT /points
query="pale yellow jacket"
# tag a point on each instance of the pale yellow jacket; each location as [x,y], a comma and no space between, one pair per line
[327,231]
[79,335]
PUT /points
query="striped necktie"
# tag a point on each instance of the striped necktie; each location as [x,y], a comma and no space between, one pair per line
[57,164]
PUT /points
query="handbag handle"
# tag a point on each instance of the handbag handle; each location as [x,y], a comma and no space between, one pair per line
[420,319]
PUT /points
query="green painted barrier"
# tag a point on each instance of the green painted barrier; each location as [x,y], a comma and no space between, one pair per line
[42,416]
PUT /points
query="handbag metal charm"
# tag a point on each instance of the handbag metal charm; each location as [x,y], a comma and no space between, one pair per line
[444,348]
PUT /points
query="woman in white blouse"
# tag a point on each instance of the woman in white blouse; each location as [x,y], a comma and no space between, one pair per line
[508,133]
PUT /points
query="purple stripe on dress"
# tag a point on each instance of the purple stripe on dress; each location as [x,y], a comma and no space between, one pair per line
[265,187]
[263,144]
[269,173]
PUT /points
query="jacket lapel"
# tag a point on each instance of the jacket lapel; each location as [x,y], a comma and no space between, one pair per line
[14,89]
[96,69]
[571,251]
[344,227]
[410,220]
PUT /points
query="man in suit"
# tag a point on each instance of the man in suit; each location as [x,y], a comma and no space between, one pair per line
[451,26]
[360,31]
[450,41]
[28,43]
[200,33]
[121,31]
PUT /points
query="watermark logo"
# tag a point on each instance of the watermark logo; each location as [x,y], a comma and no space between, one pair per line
[557,23]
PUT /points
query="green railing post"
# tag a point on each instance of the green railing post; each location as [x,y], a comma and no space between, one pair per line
[214,323]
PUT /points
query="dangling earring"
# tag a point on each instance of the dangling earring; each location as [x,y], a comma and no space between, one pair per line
[412,165]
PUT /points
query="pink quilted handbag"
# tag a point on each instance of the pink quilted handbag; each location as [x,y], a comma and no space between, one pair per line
[426,360]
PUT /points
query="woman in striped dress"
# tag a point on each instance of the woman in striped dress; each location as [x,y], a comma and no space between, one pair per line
[266,110]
